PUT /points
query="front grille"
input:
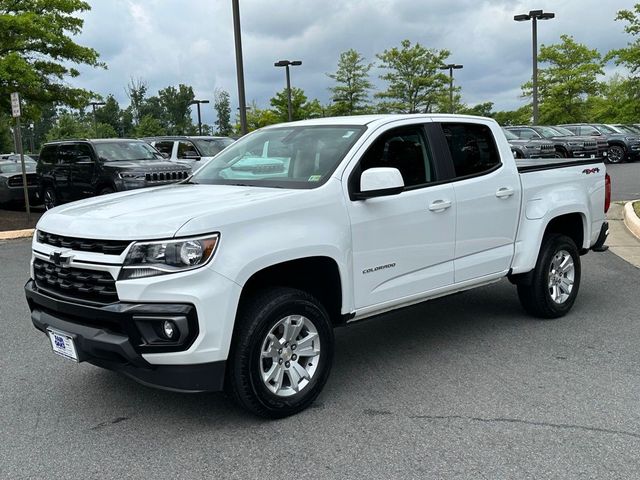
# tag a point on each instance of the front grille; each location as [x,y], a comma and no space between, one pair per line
[548,146]
[16,180]
[108,247]
[589,144]
[166,176]
[75,283]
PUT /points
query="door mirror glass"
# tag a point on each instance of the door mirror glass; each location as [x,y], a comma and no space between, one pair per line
[380,181]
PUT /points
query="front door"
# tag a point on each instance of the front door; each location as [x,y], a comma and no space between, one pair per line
[403,245]
[83,171]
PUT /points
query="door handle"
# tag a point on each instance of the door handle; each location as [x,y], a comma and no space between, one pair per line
[505,192]
[439,205]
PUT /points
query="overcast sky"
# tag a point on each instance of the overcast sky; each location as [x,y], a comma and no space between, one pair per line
[167,42]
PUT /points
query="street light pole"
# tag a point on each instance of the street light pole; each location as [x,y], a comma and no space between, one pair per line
[534,16]
[95,125]
[451,67]
[198,102]
[239,67]
[286,64]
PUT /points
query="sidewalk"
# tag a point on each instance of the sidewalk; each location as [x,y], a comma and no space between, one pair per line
[621,241]
[13,222]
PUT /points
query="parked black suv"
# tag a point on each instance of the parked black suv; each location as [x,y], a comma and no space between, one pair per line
[622,146]
[75,169]
[530,148]
[566,146]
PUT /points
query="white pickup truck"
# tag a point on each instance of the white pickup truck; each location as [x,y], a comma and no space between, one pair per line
[236,277]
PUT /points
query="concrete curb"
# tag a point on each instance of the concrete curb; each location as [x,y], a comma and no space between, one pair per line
[631,220]
[13,234]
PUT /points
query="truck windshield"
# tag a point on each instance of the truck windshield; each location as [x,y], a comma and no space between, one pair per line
[285,157]
[212,146]
[126,151]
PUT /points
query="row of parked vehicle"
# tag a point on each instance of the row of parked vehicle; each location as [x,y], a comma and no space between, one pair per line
[616,143]
[70,170]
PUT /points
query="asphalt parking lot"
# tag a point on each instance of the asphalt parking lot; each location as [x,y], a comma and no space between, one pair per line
[463,387]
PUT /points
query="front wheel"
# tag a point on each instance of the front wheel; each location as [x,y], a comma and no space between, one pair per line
[49,198]
[282,352]
[616,154]
[555,281]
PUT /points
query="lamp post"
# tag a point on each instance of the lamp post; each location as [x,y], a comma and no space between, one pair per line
[534,16]
[198,102]
[94,105]
[286,64]
[239,66]
[451,67]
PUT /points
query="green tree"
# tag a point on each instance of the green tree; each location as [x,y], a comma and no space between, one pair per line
[300,106]
[630,55]
[258,118]
[70,125]
[176,105]
[618,101]
[350,95]
[149,127]
[222,106]
[38,53]
[6,136]
[136,91]
[481,109]
[567,81]
[110,114]
[521,116]
[413,76]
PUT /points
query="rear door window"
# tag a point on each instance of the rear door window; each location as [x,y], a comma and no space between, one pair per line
[67,153]
[48,154]
[472,147]
[165,147]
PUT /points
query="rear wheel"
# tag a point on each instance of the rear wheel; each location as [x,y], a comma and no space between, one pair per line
[282,352]
[560,153]
[616,154]
[49,198]
[556,279]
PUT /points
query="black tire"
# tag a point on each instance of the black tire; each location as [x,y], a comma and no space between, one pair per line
[49,197]
[561,153]
[106,191]
[616,154]
[536,297]
[256,317]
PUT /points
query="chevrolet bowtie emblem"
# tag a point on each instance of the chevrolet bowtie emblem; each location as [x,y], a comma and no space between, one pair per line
[57,259]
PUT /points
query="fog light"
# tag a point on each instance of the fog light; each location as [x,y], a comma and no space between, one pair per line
[169,329]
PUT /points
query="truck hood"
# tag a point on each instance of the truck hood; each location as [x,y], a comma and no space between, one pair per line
[154,213]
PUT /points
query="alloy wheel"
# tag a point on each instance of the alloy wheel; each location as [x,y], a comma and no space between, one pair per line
[561,276]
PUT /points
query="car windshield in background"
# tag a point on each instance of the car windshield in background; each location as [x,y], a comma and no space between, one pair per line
[605,129]
[16,158]
[287,157]
[123,151]
[548,132]
[12,167]
[212,146]
[564,131]
[509,135]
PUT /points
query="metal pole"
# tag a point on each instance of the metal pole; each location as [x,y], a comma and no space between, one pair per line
[289,95]
[24,170]
[199,120]
[239,67]
[534,27]
[451,88]
[95,124]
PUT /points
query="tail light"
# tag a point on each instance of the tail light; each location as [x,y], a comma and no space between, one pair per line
[607,192]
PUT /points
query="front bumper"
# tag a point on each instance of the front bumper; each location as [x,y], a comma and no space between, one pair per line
[113,336]
[16,194]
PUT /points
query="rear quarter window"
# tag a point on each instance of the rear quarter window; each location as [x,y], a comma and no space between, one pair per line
[48,154]
[472,147]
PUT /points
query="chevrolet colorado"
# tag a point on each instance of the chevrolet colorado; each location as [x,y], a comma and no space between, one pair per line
[236,277]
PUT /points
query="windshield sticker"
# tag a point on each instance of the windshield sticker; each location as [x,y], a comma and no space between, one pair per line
[315,178]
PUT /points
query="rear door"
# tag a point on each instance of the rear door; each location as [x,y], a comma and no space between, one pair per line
[62,171]
[403,244]
[487,196]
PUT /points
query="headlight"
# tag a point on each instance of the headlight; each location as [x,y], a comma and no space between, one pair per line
[576,144]
[631,139]
[131,176]
[148,259]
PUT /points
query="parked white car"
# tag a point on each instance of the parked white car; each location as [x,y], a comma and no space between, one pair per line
[238,275]
[192,151]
